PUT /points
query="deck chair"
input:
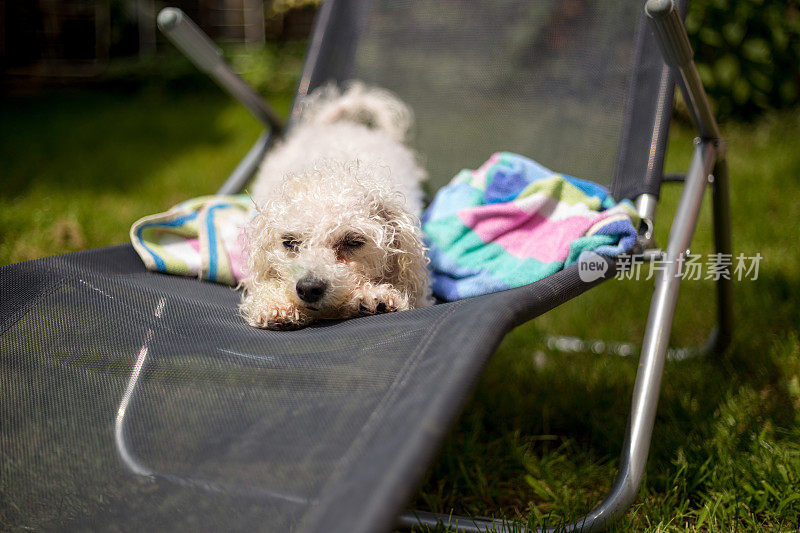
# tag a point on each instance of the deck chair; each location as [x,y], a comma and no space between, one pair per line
[133,400]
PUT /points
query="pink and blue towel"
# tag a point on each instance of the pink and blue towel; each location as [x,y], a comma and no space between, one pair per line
[513,222]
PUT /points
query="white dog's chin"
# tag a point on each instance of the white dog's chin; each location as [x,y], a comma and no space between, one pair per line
[336,234]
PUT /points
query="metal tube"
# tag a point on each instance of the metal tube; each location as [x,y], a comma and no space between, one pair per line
[722,243]
[208,57]
[654,348]
[321,23]
[674,43]
[409,520]
[247,166]
[646,205]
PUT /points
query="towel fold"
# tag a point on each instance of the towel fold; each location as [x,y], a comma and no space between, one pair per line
[201,237]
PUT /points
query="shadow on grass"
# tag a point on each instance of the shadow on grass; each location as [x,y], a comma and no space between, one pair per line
[541,436]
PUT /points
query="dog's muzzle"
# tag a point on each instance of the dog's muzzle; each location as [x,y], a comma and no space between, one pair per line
[311,289]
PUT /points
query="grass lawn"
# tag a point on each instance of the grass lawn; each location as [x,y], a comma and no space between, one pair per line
[541,436]
[78,169]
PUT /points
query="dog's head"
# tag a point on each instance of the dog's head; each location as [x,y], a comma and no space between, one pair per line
[327,232]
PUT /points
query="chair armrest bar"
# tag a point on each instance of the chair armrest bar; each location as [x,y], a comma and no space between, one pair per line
[206,56]
[654,349]
[247,166]
[674,43]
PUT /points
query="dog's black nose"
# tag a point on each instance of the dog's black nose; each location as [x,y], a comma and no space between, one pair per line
[311,289]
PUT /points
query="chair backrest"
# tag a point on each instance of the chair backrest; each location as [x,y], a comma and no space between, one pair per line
[578,85]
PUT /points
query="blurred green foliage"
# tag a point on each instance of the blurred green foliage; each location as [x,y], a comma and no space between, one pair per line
[271,69]
[747,53]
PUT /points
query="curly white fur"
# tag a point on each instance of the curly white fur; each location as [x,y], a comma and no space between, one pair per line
[337,233]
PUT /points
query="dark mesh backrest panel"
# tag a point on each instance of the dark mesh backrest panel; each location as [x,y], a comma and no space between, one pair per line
[548,79]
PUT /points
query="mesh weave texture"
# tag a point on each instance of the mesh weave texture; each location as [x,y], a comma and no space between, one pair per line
[132,400]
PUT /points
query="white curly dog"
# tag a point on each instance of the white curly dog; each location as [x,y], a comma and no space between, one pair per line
[337,233]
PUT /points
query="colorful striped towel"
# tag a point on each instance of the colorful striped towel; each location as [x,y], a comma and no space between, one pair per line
[513,222]
[201,237]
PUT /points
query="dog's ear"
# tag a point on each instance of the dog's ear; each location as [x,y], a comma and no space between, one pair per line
[259,242]
[407,261]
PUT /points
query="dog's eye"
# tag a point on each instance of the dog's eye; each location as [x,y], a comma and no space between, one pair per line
[351,243]
[290,243]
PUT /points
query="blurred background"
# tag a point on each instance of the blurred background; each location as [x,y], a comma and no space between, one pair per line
[102,121]
[96,78]
[748,51]
[61,40]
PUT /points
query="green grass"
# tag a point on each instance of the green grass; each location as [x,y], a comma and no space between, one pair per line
[78,169]
[540,438]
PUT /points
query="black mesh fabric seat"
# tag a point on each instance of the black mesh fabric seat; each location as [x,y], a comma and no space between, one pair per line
[137,401]
[179,415]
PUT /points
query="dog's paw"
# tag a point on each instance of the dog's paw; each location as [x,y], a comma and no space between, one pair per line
[278,317]
[376,299]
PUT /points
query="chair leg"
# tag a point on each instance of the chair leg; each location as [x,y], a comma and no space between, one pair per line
[722,242]
[648,378]
[637,440]
[720,337]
